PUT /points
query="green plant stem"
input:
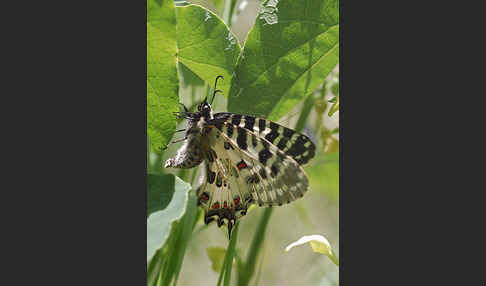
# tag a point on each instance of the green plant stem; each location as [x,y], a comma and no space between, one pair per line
[167,272]
[230,253]
[259,271]
[186,229]
[228,258]
[306,110]
[154,267]
[228,12]
[257,242]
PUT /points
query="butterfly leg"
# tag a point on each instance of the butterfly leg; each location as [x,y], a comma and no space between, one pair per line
[177,141]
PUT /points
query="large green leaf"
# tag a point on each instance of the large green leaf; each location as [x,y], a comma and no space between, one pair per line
[159,222]
[290,50]
[162,79]
[206,45]
[160,189]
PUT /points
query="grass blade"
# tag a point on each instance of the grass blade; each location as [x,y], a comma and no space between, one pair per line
[228,258]
[187,226]
[230,254]
[257,242]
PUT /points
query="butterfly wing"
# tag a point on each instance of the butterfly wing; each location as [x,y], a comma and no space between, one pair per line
[289,141]
[243,167]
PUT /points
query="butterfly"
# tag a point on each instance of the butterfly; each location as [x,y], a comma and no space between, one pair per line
[246,160]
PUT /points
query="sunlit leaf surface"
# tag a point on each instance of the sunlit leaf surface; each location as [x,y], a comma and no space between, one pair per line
[205,45]
[162,79]
[290,50]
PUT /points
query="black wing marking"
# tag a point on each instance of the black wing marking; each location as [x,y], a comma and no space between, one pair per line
[292,143]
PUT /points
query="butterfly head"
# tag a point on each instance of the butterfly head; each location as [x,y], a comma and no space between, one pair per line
[204,109]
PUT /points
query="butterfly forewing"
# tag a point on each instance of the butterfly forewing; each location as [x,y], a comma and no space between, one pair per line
[291,142]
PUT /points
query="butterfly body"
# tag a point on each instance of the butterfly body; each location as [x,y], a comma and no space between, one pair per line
[246,160]
[191,153]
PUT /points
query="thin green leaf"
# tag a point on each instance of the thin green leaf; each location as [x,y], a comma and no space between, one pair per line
[228,12]
[228,258]
[206,45]
[334,108]
[260,268]
[218,5]
[335,89]
[320,106]
[159,223]
[240,265]
[230,253]
[176,245]
[323,89]
[153,268]
[186,226]
[304,113]
[167,271]
[221,273]
[255,247]
[290,50]
[162,79]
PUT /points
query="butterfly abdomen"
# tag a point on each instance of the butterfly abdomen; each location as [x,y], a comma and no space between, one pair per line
[190,154]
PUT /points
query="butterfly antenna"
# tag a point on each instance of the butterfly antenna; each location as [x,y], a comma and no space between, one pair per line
[185,108]
[216,90]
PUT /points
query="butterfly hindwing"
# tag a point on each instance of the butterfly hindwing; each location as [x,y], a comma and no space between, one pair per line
[272,177]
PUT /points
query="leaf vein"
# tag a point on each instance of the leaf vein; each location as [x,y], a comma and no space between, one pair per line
[288,52]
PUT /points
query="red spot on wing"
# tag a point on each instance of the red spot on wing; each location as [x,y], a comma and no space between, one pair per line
[241,165]
[204,197]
